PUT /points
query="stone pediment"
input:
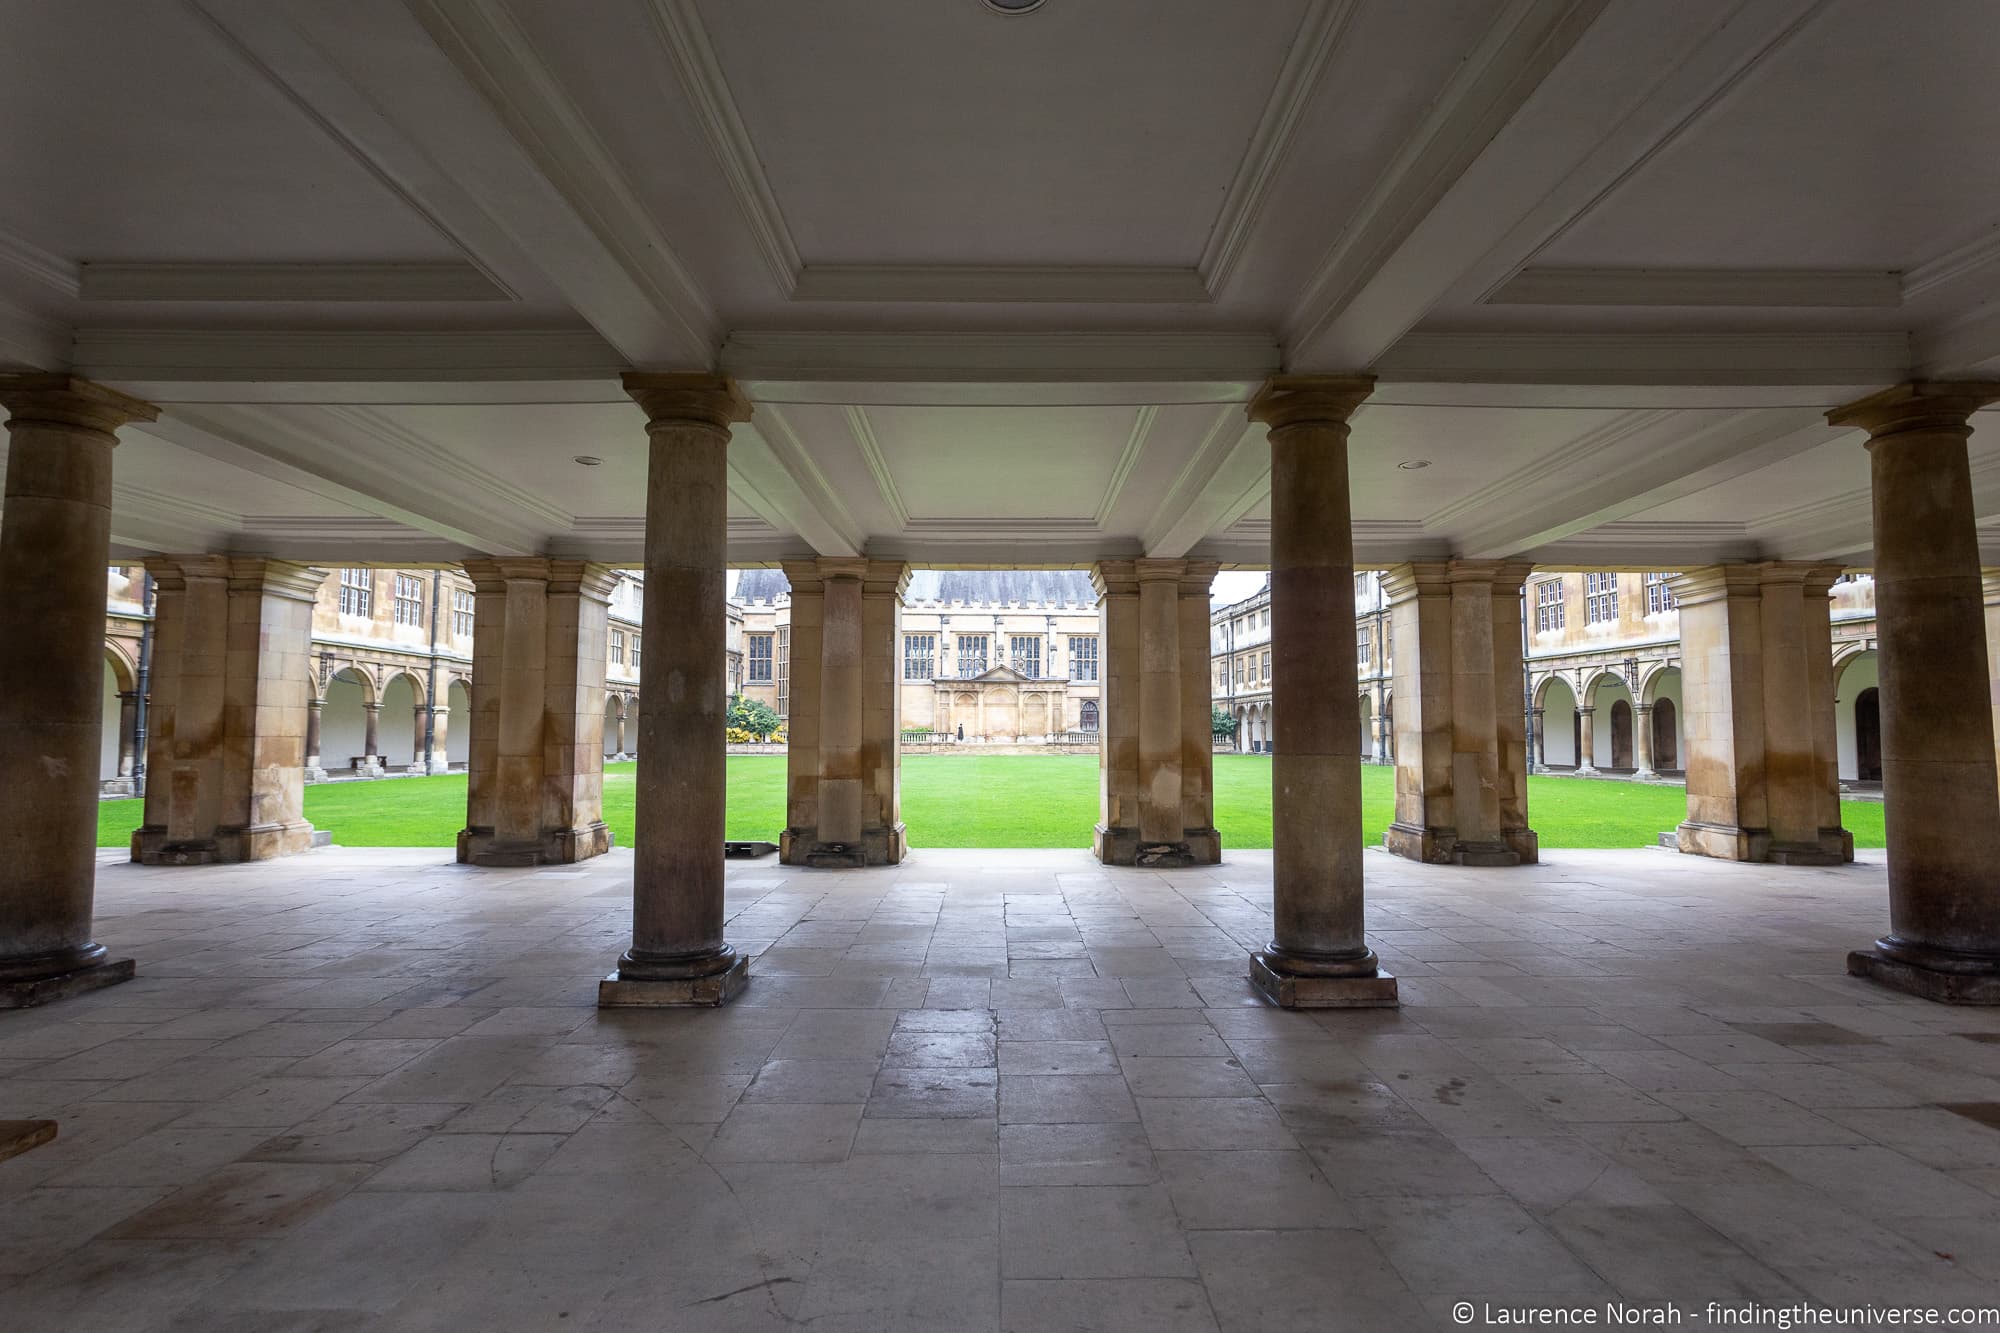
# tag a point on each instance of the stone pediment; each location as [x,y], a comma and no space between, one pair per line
[993,675]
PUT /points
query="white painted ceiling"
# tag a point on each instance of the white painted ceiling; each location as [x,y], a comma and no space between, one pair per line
[1000,286]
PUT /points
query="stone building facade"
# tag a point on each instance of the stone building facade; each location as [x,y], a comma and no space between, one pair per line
[391,651]
[986,657]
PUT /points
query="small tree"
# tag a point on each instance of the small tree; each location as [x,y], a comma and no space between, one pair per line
[754,716]
[1224,724]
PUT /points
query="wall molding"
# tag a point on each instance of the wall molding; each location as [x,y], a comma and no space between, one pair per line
[1001,357]
[1774,288]
[968,284]
[415,282]
[1650,358]
[863,432]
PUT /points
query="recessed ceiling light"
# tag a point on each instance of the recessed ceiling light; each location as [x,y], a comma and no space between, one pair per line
[1408,464]
[588,460]
[1013,6]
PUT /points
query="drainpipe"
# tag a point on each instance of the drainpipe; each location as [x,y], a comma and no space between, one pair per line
[145,684]
[431,686]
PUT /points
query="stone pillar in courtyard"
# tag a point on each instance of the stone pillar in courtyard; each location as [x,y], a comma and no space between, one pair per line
[1642,741]
[1461,744]
[1993,651]
[1586,738]
[1757,690]
[1156,754]
[315,770]
[843,763]
[55,544]
[1318,956]
[226,730]
[1940,791]
[535,759]
[678,954]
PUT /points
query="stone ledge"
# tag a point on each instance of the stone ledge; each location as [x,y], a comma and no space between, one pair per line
[1294,992]
[42,990]
[615,992]
[1925,982]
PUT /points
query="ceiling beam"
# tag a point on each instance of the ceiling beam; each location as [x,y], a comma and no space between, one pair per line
[374,79]
[1645,461]
[1760,288]
[772,471]
[1228,472]
[1560,101]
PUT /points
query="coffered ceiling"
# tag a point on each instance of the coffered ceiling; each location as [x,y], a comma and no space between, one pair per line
[1000,285]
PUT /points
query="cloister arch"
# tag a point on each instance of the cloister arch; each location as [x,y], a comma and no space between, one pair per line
[1857,703]
[120,680]
[1560,724]
[458,738]
[1367,723]
[399,733]
[1661,692]
[614,725]
[1612,744]
[343,719]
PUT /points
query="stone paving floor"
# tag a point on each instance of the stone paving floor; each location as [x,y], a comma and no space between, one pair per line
[369,1089]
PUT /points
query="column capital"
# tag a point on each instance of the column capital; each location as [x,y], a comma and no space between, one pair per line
[706,400]
[1199,577]
[1159,571]
[584,577]
[172,572]
[1918,405]
[1293,400]
[283,578]
[1416,578]
[805,576]
[494,573]
[373,706]
[885,578]
[1115,578]
[1714,583]
[38,398]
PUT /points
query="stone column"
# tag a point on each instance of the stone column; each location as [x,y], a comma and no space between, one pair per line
[1155,755]
[419,756]
[1941,796]
[226,748]
[1319,955]
[128,723]
[315,771]
[1541,739]
[843,805]
[1642,741]
[55,543]
[437,760]
[1586,757]
[1460,687]
[1757,711]
[1197,819]
[678,955]
[535,785]
[371,743]
[621,729]
[1993,651]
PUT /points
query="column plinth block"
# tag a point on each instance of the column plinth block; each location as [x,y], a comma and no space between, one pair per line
[1291,982]
[1932,974]
[675,982]
[39,979]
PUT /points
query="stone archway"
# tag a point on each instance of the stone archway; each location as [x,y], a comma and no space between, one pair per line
[458,739]
[1666,736]
[1621,734]
[343,720]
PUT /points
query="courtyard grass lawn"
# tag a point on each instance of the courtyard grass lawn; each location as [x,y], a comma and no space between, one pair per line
[995,801]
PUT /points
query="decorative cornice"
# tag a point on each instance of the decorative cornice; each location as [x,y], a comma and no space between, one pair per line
[49,269]
[424,282]
[1918,405]
[1312,45]
[1847,288]
[983,283]
[678,25]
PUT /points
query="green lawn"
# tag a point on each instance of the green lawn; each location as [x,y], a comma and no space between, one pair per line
[993,801]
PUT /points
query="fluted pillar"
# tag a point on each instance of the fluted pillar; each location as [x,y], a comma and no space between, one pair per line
[1941,795]
[1155,752]
[843,762]
[678,954]
[226,743]
[55,543]
[1318,956]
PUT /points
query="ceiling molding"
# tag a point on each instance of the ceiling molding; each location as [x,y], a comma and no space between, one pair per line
[1378,543]
[1128,458]
[678,25]
[799,496]
[1318,34]
[466,474]
[1015,529]
[1650,358]
[345,354]
[939,357]
[1771,288]
[1966,346]
[1651,546]
[1229,459]
[1959,264]
[424,282]
[1489,87]
[30,340]
[51,270]
[1498,500]
[863,432]
[483,40]
[967,284]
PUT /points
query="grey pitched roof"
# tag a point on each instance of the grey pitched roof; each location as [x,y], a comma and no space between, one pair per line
[974,587]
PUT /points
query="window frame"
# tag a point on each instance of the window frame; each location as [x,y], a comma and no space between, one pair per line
[357,592]
[919,656]
[1032,655]
[1600,597]
[1083,658]
[767,641]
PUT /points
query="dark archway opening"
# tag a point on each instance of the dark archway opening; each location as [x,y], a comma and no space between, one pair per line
[1868,735]
[1666,756]
[1621,734]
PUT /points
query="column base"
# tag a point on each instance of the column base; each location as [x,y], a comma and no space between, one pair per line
[879,846]
[1115,846]
[116,787]
[636,985]
[1442,847]
[1726,842]
[314,773]
[1525,843]
[25,984]
[253,842]
[1931,974]
[480,847]
[1286,988]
